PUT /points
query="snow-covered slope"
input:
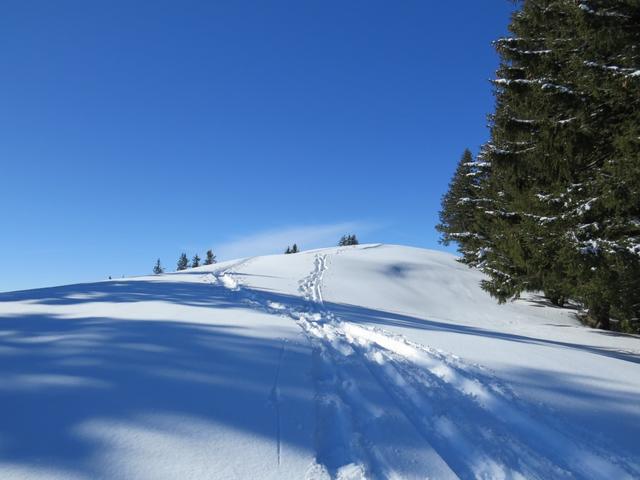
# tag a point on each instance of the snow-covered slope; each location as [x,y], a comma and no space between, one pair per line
[374,361]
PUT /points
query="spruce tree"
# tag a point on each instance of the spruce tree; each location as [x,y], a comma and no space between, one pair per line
[195,262]
[562,194]
[347,240]
[294,249]
[288,250]
[183,262]
[157,269]
[210,258]
[459,210]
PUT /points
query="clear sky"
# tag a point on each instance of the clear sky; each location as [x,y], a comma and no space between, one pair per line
[131,130]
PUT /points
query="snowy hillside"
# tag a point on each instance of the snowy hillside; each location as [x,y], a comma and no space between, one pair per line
[374,361]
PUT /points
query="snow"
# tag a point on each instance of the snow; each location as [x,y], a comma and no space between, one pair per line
[604,13]
[503,151]
[627,72]
[545,84]
[523,120]
[566,120]
[373,361]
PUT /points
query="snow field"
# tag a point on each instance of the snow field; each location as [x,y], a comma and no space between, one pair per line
[349,363]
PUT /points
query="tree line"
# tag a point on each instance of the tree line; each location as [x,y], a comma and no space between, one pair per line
[552,201]
[183,262]
[345,240]
[210,258]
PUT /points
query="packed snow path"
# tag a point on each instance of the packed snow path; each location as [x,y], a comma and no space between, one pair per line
[344,363]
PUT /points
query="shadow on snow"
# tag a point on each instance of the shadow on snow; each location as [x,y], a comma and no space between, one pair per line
[60,373]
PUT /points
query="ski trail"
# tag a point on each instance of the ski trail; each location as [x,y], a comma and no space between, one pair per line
[274,398]
[476,425]
[466,424]
[225,276]
[367,422]
[339,448]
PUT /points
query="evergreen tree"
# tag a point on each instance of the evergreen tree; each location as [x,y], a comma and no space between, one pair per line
[195,262]
[157,269]
[561,198]
[459,210]
[210,258]
[347,240]
[293,249]
[183,262]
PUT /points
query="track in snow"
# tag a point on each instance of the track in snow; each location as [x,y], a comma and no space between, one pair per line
[225,276]
[274,398]
[464,422]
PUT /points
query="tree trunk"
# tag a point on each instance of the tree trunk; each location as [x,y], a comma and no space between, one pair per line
[557,300]
[599,313]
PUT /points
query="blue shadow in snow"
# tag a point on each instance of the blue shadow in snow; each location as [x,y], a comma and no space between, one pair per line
[58,373]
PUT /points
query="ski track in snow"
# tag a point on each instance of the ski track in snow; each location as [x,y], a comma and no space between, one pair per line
[274,398]
[225,276]
[476,425]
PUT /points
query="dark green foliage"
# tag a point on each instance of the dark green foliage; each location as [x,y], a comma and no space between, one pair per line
[293,249]
[157,269]
[559,195]
[210,258]
[195,262]
[456,216]
[459,212]
[346,240]
[183,262]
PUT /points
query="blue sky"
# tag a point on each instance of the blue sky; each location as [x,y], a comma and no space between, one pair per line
[136,130]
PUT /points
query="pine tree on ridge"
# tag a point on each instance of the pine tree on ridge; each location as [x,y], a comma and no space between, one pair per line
[157,269]
[183,262]
[210,258]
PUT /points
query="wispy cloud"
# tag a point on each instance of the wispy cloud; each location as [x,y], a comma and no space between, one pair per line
[275,241]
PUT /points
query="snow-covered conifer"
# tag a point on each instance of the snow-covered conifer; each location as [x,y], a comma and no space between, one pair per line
[564,158]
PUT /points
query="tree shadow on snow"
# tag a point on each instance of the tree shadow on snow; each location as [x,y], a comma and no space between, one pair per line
[57,374]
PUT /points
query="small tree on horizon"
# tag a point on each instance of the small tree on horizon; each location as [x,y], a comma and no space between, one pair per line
[183,262]
[347,240]
[293,249]
[196,261]
[157,269]
[210,259]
